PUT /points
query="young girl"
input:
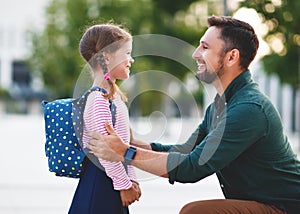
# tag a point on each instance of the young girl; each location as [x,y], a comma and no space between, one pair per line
[108,187]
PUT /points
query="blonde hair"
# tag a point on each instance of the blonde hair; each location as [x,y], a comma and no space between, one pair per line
[100,38]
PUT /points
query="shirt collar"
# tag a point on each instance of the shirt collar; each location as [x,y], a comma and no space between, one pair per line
[239,82]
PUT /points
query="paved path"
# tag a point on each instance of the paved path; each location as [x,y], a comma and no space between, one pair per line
[26,186]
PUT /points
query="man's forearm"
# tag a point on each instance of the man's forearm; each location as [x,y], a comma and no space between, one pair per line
[152,162]
[112,148]
[140,144]
[148,160]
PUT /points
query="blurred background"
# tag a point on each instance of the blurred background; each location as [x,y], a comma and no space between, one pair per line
[39,60]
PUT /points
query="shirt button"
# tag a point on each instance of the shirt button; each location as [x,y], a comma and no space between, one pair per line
[222,186]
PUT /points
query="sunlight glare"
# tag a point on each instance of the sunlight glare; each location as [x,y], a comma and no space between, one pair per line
[251,16]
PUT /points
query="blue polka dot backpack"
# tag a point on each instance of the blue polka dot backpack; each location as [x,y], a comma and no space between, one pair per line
[64,128]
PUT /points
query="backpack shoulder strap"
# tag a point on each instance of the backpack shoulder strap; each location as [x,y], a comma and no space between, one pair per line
[112,106]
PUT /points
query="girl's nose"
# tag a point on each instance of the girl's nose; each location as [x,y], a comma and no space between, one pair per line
[131,60]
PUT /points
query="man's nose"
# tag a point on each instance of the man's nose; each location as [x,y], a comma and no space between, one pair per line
[196,53]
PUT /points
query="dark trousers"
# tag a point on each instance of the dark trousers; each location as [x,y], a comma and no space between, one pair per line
[227,206]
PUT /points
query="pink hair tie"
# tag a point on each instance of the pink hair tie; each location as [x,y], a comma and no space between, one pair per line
[106,76]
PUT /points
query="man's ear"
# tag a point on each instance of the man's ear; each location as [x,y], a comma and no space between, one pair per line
[233,57]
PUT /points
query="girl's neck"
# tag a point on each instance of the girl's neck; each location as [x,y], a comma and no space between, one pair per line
[100,81]
[102,84]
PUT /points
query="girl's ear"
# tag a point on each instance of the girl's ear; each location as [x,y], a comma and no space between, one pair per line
[106,57]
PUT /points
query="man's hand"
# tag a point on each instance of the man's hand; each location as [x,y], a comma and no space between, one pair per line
[112,148]
[108,147]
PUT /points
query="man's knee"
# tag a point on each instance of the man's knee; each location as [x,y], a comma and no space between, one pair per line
[203,207]
[193,207]
[227,206]
[185,209]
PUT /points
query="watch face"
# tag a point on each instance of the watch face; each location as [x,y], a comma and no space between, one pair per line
[130,153]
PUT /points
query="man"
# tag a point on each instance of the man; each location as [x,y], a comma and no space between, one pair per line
[240,138]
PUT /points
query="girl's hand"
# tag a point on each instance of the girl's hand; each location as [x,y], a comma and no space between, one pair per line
[128,196]
[136,186]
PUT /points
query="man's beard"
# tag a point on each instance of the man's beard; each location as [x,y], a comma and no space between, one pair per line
[209,77]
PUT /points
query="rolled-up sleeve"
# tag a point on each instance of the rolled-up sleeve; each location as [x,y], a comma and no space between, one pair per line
[174,159]
[230,138]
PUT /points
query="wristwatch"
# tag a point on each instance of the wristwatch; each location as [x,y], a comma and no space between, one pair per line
[129,155]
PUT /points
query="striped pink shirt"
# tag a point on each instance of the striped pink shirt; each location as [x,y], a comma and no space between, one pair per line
[96,112]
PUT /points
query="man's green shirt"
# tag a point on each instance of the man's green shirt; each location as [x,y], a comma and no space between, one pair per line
[240,139]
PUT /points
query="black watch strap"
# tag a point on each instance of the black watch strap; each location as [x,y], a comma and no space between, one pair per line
[129,155]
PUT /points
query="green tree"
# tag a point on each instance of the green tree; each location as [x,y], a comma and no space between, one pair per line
[55,52]
[282,21]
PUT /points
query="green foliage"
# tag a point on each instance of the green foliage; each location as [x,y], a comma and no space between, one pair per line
[172,7]
[282,19]
[55,52]
[4,94]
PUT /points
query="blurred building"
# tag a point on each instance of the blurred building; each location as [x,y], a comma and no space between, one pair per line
[17,19]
